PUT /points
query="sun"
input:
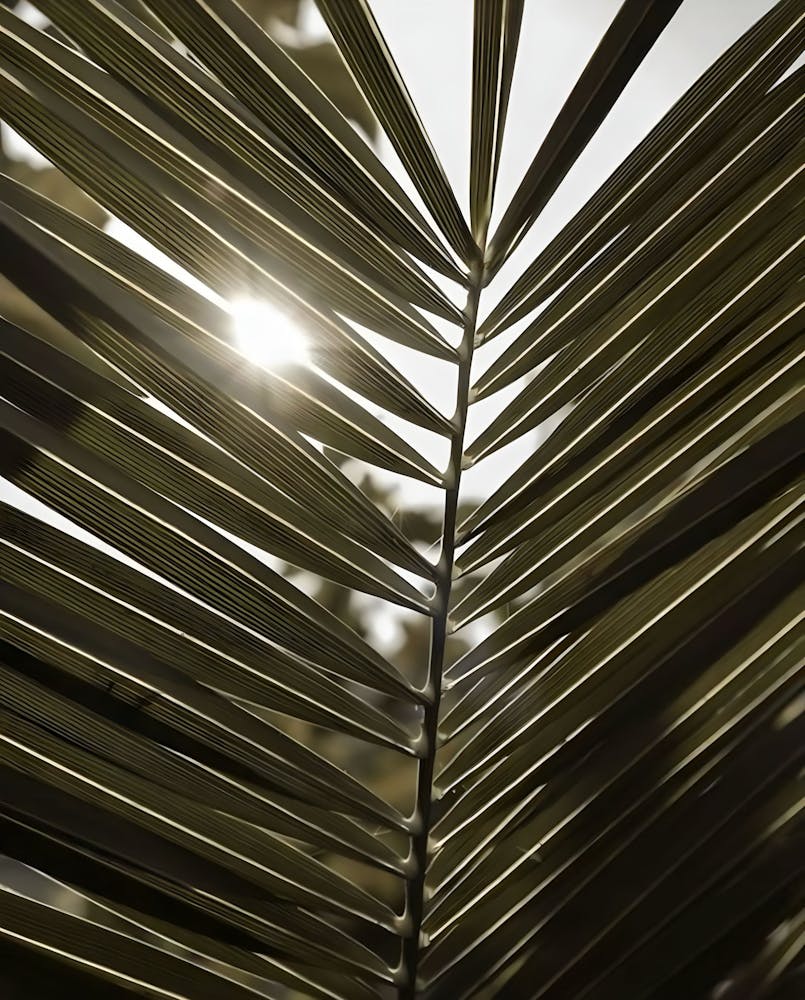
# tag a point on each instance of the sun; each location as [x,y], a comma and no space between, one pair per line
[267,336]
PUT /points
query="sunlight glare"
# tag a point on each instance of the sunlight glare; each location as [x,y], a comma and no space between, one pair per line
[266,336]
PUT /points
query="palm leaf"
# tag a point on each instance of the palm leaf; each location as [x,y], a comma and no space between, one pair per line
[199,747]
[495,39]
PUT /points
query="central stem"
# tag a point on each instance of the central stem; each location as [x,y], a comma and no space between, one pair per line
[415,888]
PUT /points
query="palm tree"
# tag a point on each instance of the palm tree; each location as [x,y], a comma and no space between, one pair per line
[604,788]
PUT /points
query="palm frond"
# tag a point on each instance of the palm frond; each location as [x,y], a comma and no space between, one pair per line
[201,747]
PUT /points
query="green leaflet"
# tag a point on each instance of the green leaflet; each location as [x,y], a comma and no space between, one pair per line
[130,432]
[496,32]
[698,121]
[253,154]
[367,54]
[237,726]
[271,86]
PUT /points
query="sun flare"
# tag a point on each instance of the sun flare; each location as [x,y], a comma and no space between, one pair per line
[267,336]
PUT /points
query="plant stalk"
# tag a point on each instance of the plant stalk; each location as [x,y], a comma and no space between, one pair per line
[415,887]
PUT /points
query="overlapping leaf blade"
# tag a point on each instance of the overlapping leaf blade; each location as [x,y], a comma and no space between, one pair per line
[145,526]
[368,56]
[698,121]
[546,856]
[124,965]
[179,464]
[267,81]
[111,160]
[207,111]
[99,311]
[88,852]
[207,647]
[743,223]
[608,796]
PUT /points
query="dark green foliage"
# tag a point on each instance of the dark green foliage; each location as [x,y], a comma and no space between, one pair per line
[578,771]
